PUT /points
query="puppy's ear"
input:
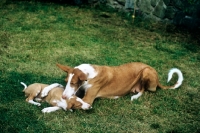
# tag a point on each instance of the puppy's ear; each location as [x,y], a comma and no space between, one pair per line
[82,76]
[69,105]
[74,104]
[64,68]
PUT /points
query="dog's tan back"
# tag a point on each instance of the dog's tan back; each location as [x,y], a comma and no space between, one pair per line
[117,81]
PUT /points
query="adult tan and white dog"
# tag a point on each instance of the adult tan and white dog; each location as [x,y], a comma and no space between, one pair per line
[113,82]
[52,95]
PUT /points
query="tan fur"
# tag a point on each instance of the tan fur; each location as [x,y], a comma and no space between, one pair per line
[117,80]
[34,91]
[73,104]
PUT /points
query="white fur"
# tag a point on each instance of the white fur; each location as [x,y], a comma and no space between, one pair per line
[35,103]
[180,77]
[38,99]
[46,90]
[136,96]
[85,106]
[88,70]
[50,109]
[25,86]
[62,103]
[115,97]
[86,85]
[69,91]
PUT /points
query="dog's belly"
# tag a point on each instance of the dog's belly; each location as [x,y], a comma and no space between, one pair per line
[119,81]
[120,88]
[114,92]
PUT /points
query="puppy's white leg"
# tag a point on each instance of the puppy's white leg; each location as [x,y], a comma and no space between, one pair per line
[50,109]
[46,90]
[38,99]
[35,103]
[136,96]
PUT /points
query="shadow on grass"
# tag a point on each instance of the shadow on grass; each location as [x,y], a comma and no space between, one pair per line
[16,115]
[12,120]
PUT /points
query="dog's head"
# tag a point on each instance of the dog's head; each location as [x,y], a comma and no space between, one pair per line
[75,78]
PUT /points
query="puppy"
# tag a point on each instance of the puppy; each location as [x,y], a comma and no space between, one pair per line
[73,102]
[52,95]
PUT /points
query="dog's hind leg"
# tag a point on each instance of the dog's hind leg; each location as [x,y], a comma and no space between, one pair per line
[134,97]
[149,81]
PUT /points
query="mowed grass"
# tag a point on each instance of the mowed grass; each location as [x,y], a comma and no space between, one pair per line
[35,36]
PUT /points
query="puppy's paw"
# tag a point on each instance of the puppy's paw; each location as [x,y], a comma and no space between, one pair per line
[50,109]
[70,110]
[61,86]
[45,91]
[38,104]
[46,110]
[34,103]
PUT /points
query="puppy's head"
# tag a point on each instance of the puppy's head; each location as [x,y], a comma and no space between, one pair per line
[77,103]
[73,103]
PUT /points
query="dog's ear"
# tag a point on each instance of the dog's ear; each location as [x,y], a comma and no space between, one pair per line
[82,76]
[64,68]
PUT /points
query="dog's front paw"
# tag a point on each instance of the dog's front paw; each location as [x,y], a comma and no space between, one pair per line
[86,106]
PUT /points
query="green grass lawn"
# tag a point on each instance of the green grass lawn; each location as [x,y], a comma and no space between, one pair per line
[35,36]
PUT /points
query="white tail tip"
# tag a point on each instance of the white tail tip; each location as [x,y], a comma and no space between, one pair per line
[25,86]
[180,77]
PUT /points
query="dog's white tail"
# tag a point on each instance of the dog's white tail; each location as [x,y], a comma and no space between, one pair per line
[25,86]
[180,77]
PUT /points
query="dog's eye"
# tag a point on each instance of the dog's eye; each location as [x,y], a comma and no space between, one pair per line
[72,83]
